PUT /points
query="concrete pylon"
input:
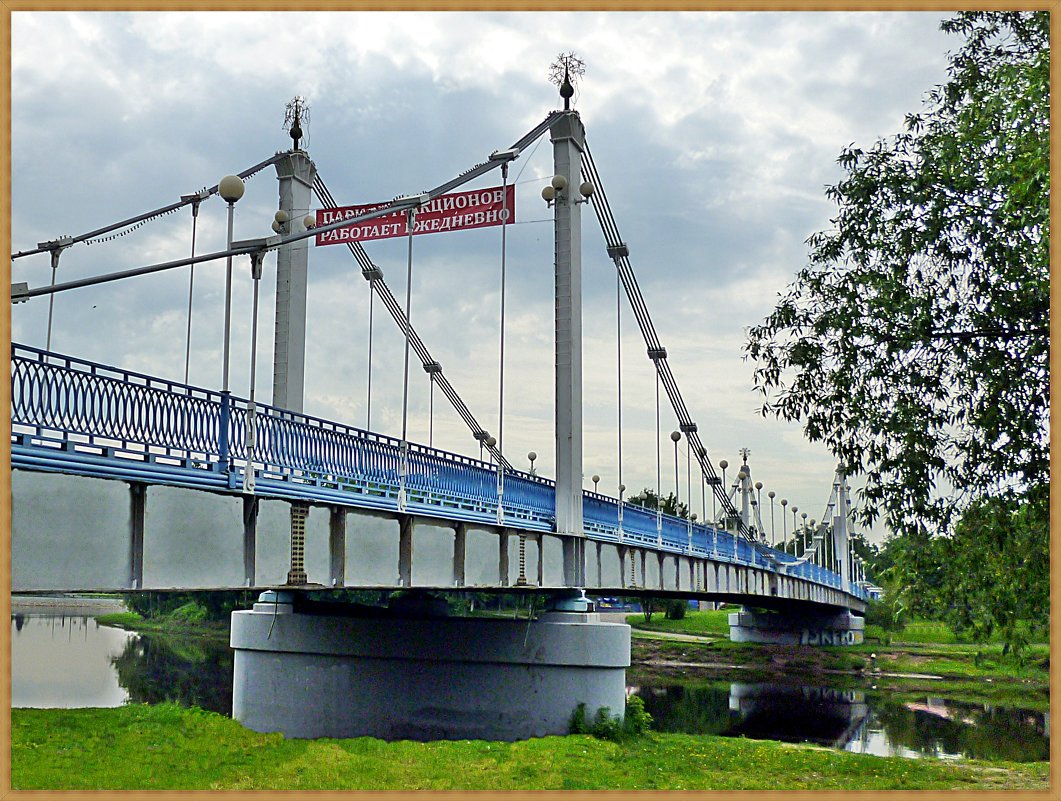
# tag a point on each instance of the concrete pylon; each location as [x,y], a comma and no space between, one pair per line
[841,539]
[295,172]
[568,137]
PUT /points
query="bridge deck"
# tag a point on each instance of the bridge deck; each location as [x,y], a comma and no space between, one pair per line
[82,418]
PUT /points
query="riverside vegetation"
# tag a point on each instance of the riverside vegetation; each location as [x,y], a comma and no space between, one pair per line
[141,746]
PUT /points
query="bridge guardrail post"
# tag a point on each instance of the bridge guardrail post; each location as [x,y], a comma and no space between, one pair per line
[224,421]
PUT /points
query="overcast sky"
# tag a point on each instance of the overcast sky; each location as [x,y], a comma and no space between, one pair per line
[715,135]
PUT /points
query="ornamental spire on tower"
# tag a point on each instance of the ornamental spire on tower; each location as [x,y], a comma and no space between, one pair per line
[567,68]
[296,112]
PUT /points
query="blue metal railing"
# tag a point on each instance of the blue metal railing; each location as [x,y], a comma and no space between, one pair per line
[79,416]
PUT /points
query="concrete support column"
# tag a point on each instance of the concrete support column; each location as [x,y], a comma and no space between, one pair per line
[460,546]
[574,549]
[337,546]
[405,550]
[137,512]
[568,137]
[295,172]
[541,559]
[502,557]
[250,532]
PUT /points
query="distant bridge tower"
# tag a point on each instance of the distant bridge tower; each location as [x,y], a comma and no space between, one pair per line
[840,534]
[745,476]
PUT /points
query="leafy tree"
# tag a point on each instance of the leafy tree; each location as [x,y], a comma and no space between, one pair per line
[915,343]
[995,570]
[670,503]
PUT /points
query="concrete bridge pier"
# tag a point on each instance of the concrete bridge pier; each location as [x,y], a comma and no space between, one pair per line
[410,671]
[835,627]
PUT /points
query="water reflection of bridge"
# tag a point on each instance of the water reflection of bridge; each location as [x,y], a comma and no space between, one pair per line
[798,713]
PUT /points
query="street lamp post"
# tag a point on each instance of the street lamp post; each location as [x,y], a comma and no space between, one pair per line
[675,437]
[725,488]
[759,504]
[231,189]
[784,526]
[773,538]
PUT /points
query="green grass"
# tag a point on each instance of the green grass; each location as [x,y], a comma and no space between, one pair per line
[925,632]
[187,619]
[707,623]
[124,620]
[169,747]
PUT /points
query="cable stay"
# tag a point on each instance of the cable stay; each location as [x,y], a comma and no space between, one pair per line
[374,275]
[93,237]
[619,253]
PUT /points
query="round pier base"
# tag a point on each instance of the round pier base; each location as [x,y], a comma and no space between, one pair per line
[330,675]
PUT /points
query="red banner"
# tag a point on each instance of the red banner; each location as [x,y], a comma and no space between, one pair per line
[457,211]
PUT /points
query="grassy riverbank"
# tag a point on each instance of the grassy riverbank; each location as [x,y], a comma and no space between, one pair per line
[924,659]
[186,619]
[169,747]
[923,648]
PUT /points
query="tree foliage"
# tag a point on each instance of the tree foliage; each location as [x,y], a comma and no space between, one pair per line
[915,342]
[994,571]
[670,504]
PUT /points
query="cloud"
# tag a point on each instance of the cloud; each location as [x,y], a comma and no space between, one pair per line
[714,134]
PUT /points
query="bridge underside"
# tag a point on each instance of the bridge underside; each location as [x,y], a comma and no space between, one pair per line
[324,594]
[72,533]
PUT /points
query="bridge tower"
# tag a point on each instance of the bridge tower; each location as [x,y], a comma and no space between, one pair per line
[745,476]
[295,172]
[568,137]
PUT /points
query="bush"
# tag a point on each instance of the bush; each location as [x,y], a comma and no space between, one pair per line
[606,726]
[676,610]
[886,613]
[191,612]
[637,720]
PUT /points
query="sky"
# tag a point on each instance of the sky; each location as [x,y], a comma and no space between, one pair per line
[715,135]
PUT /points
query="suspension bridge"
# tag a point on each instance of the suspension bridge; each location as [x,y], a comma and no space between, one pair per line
[127,481]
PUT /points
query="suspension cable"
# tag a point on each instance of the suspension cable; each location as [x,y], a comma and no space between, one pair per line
[619,252]
[659,473]
[150,215]
[410,218]
[619,382]
[368,268]
[191,285]
[368,401]
[501,348]
[51,299]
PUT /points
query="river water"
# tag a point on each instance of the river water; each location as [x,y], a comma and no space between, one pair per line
[61,657]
